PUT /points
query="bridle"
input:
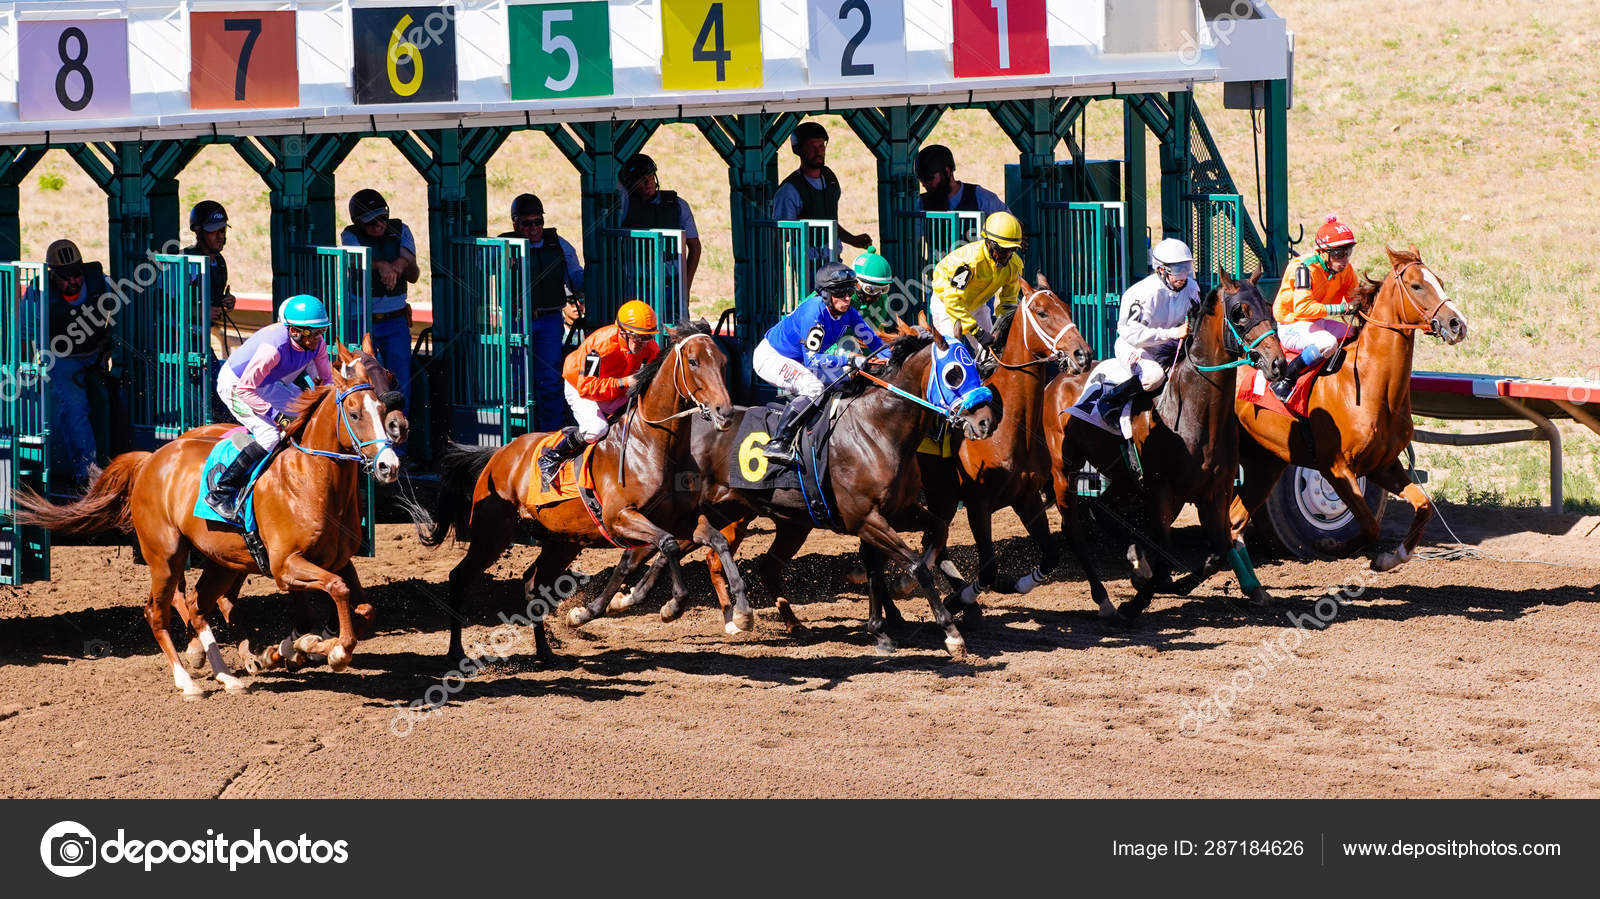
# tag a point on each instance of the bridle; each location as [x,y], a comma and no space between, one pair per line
[1243,356]
[1030,322]
[1430,325]
[367,462]
[681,387]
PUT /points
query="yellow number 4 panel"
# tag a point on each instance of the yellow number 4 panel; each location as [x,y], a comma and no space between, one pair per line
[710,44]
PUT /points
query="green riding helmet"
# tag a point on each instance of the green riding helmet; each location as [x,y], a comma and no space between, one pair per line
[873,276]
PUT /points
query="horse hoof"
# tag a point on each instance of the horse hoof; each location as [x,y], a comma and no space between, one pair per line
[972,616]
[193,691]
[1260,598]
[1391,560]
[307,642]
[338,658]
[884,646]
[956,648]
[745,621]
[578,616]
[1107,610]
[905,586]
[194,656]
[1329,547]
[671,611]
[250,661]
[232,684]
[856,576]
[623,600]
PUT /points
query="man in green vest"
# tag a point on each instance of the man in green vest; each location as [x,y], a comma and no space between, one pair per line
[812,191]
[646,206]
[555,272]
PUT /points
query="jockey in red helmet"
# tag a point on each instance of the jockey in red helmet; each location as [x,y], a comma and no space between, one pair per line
[1314,289]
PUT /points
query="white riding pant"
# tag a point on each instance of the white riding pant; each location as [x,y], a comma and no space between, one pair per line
[946,326]
[1325,334]
[278,395]
[590,415]
[1148,364]
[781,371]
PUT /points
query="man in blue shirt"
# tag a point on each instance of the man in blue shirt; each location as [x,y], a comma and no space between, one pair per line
[799,352]
[556,281]
[941,192]
[79,340]
[392,265]
[812,191]
[645,206]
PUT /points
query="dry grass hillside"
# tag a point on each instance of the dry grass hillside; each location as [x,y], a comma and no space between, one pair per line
[1466,128]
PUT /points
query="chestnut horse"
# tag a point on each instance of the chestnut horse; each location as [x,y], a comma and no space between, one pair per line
[1359,419]
[305,505]
[487,493]
[1188,440]
[1011,468]
[875,484]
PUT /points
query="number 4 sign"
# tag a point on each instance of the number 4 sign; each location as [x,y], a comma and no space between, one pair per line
[710,44]
[856,39]
[73,69]
[1000,37]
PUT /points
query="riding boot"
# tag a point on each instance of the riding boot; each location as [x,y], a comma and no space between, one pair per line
[1112,399]
[557,455]
[1284,386]
[223,493]
[780,448]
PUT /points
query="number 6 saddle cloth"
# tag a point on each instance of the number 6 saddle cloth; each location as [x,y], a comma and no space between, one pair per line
[750,470]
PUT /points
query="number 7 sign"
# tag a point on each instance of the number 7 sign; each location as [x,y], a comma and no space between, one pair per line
[242,60]
[1000,37]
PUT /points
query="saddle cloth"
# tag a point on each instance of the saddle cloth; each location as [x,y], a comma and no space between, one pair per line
[221,456]
[750,470]
[1256,389]
[564,486]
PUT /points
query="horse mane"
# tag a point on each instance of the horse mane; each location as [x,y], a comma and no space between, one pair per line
[903,346]
[682,331]
[302,406]
[1002,327]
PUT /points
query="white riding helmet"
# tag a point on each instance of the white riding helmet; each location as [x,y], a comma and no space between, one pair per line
[1173,255]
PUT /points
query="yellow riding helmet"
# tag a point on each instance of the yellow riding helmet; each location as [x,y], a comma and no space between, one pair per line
[1004,229]
[636,317]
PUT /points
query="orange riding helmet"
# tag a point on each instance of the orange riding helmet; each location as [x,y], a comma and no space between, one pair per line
[636,317]
[1335,234]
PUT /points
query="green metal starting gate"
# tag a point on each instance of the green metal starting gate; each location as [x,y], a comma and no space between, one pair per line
[1089,266]
[24,428]
[942,232]
[650,269]
[1215,225]
[489,358]
[804,246]
[181,336]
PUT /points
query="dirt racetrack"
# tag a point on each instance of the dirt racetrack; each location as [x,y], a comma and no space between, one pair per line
[1445,678]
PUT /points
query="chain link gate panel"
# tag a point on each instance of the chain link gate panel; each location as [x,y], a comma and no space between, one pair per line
[24,430]
[181,341]
[485,339]
[1214,224]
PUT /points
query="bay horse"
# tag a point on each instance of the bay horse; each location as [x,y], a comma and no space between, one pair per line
[487,493]
[305,505]
[874,481]
[1188,441]
[1359,418]
[1011,468]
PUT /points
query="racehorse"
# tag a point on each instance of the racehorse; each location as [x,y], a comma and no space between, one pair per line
[486,493]
[1009,469]
[874,484]
[305,506]
[1359,418]
[1188,441]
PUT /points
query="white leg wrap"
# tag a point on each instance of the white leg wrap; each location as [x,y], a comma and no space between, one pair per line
[1032,579]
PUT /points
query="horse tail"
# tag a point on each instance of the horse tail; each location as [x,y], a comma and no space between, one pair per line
[459,468]
[106,507]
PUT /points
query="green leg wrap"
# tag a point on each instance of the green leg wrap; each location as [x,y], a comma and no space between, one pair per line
[1239,558]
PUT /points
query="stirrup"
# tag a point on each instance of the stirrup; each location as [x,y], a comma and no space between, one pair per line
[781,452]
[224,504]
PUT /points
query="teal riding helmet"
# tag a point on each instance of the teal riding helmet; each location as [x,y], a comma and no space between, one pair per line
[304,311]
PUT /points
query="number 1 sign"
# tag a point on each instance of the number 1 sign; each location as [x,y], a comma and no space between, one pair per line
[856,39]
[1000,37]
[73,69]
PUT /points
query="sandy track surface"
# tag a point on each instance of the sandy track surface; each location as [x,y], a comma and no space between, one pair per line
[1477,677]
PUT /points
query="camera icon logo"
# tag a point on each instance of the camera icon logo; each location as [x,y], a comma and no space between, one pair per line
[67,849]
[96,648]
[686,482]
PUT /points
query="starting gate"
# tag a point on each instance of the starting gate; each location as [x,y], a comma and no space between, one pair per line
[650,269]
[804,246]
[941,233]
[181,336]
[24,431]
[489,357]
[1215,225]
[1095,265]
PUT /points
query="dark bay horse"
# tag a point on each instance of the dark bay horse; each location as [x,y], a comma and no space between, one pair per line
[875,486]
[1359,419]
[1011,468]
[305,503]
[1188,441]
[487,493]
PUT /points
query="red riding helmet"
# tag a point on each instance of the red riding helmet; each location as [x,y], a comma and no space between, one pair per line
[1335,234]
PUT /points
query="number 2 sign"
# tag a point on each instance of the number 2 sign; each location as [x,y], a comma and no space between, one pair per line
[242,60]
[853,39]
[710,44]
[1000,37]
[73,69]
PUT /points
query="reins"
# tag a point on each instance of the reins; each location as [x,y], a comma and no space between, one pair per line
[1244,353]
[678,388]
[382,443]
[1428,319]
[1029,320]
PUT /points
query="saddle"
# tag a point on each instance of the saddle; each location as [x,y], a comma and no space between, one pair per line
[1258,391]
[220,457]
[749,469]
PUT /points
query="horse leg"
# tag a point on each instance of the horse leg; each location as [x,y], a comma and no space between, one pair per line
[1030,508]
[213,581]
[729,583]
[1072,534]
[1262,469]
[787,538]
[493,523]
[875,530]
[1162,511]
[1216,522]
[582,614]
[554,559]
[1344,484]
[1395,479]
[733,535]
[163,562]
[877,588]
[300,573]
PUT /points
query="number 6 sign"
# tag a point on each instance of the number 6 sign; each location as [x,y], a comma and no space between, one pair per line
[854,39]
[404,54]
[76,69]
[1000,37]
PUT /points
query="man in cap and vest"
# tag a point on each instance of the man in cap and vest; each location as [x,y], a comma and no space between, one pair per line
[646,206]
[79,341]
[598,377]
[941,192]
[812,191]
[392,255]
[208,221]
[1314,289]
[556,280]
[966,280]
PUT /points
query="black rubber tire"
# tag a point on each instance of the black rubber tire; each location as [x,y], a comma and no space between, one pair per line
[1294,523]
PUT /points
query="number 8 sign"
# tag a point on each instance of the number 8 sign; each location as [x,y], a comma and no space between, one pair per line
[853,39]
[75,69]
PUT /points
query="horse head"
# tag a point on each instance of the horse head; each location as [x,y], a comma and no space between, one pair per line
[371,411]
[952,382]
[1252,331]
[1420,300]
[693,365]
[1048,329]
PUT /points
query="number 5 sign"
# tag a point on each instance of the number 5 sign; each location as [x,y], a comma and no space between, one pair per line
[560,50]
[710,44]
[1000,37]
[854,39]
[73,69]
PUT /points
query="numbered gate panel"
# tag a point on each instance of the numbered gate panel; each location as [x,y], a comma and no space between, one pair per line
[73,69]
[243,60]
[710,44]
[1000,37]
[560,50]
[404,54]
[855,40]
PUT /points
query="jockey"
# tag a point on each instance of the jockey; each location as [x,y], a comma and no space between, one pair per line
[598,375]
[1313,289]
[257,385]
[795,354]
[873,280]
[1153,320]
[965,281]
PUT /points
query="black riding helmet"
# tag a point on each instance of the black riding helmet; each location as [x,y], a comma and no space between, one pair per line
[525,205]
[367,204]
[208,215]
[634,170]
[836,279]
